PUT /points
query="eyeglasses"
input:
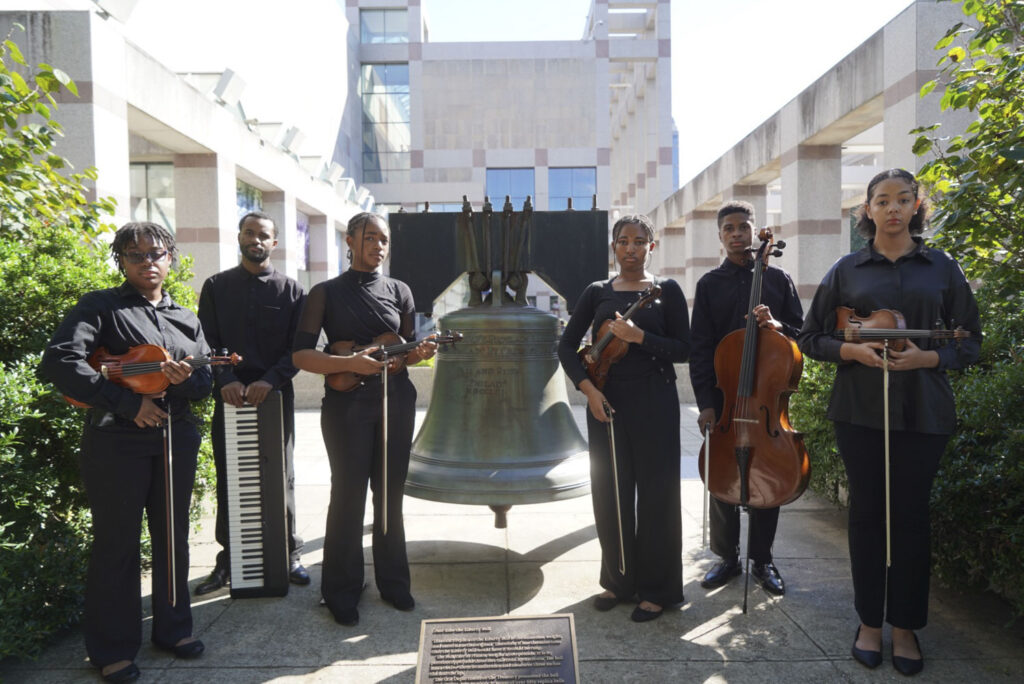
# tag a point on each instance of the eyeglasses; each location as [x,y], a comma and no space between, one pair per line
[139,257]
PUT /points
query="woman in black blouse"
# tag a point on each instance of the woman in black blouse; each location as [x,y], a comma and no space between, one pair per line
[122,456]
[358,306]
[896,270]
[641,391]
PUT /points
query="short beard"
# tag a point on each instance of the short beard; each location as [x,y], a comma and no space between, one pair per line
[254,260]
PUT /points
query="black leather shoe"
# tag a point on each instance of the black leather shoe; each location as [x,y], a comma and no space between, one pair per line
[187,651]
[129,673]
[298,575]
[347,616]
[403,601]
[641,615]
[217,579]
[768,575]
[722,571]
[869,659]
[605,603]
[907,666]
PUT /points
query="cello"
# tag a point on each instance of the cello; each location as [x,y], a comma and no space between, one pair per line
[756,458]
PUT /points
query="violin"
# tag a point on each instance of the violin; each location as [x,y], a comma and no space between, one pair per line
[138,369]
[888,325]
[598,358]
[392,347]
[757,459]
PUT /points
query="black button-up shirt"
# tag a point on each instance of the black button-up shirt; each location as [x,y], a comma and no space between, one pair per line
[255,316]
[119,318]
[928,287]
[720,306]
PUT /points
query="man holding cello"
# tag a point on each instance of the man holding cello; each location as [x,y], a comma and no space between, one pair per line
[719,308]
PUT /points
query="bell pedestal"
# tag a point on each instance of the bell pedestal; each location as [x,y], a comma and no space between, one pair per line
[499,430]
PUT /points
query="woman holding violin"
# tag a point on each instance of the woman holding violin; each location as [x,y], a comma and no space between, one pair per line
[895,271]
[123,457]
[637,504]
[363,307]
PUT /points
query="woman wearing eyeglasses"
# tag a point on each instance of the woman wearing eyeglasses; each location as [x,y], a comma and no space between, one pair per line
[122,449]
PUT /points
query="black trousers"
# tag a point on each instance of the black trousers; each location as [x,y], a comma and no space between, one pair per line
[351,424]
[221,532]
[647,451]
[725,531]
[898,594]
[123,473]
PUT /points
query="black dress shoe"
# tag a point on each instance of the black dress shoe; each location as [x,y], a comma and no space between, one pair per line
[298,575]
[722,571]
[907,666]
[187,651]
[605,603]
[129,673]
[641,615]
[869,659]
[347,616]
[403,601]
[217,579]
[768,575]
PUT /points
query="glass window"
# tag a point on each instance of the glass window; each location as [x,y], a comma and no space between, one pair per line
[152,193]
[578,183]
[516,183]
[384,89]
[384,26]
[247,198]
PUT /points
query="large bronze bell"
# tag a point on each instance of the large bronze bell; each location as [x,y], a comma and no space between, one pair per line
[499,430]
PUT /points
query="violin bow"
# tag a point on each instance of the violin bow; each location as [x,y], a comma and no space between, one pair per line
[707,478]
[885,425]
[172,591]
[384,444]
[615,482]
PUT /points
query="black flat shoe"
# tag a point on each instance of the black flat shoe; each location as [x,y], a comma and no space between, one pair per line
[869,659]
[605,603]
[128,673]
[907,666]
[768,575]
[721,572]
[404,602]
[641,615]
[187,651]
[348,617]
[217,579]
[298,575]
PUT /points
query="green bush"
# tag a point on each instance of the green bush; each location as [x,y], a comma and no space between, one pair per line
[807,409]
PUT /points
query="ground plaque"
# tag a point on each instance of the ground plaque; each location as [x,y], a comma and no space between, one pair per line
[537,649]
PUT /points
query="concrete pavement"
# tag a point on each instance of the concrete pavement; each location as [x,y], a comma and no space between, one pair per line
[546,561]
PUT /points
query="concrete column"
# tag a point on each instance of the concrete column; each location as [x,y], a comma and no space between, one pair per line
[280,206]
[206,212]
[323,249]
[910,58]
[811,214]
[669,258]
[703,248]
[95,122]
[757,195]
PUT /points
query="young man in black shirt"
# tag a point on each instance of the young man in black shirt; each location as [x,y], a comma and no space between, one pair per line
[253,310]
[720,307]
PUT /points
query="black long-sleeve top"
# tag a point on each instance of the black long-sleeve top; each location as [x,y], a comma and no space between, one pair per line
[928,287]
[665,324]
[255,316]
[119,318]
[332,306]
[720,306]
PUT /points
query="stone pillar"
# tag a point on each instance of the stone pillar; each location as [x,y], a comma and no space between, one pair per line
[280,206]
[323,249]
[811,214]
[910,58]
[95,122]
[206,212]
[757,195]
[703,248]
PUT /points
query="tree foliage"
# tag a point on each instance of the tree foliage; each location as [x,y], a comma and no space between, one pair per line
[979,175]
